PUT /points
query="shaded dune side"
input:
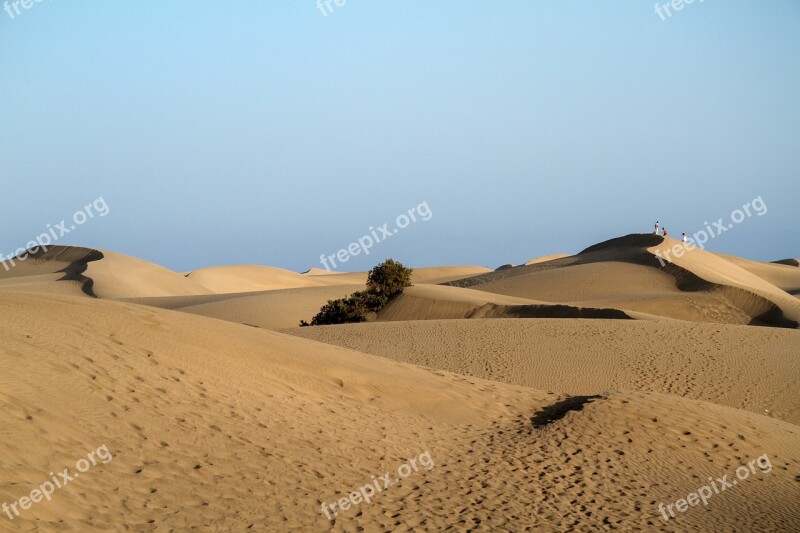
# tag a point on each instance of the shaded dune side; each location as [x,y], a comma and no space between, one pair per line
[784,276]
[559,311]
[763,312]
[790,262]
[73,261]
[549,311]
[432,302]
[98,273]
[634,249]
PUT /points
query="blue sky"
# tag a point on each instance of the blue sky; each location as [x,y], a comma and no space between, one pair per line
[266,132]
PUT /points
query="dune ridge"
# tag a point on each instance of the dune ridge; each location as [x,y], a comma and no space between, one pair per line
[720,290]
[40,269]
[249,278]
[429,302]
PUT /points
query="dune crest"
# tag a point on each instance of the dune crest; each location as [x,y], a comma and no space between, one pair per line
[625,274]
[248,278]
[546,258]
[59,269]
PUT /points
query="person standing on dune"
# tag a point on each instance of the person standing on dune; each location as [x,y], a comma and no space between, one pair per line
[683,237]
[656,231]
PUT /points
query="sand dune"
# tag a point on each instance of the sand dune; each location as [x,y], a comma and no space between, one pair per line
[286,308]
[435,275]
[59,270]
[625,286]
[419,275]
[431,302]
[247,278]
[272,309]
[319,272]
[339,278]
[591,356]
[625,274]
[766,303]
[112,275]
[784,276]
[215,425]
[278,309]
[546,258]
[123,276]
[75,270]
[530,422]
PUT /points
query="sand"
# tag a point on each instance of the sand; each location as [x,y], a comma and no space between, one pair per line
[585,357]
[546,258]
[247,278]
[572,394]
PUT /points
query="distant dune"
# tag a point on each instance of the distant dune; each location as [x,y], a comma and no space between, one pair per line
[73,270]
[546,258]
[60,269]
[420,275]
[785,276]
[122,276]
[247,278]
[272,309]
[625,274]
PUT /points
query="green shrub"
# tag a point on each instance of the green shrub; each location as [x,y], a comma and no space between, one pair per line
[385,281]
[389,279]
[341,311]
[372,301]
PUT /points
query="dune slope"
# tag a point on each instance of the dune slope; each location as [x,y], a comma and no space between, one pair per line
[215,425]
[757,369]
[272,309]
[625,274]
[247,278]
[57,270]
[432,302]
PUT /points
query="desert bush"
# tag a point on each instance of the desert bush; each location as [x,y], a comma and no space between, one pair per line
[389,279]
[372,301]
[384,282]
[341,311]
